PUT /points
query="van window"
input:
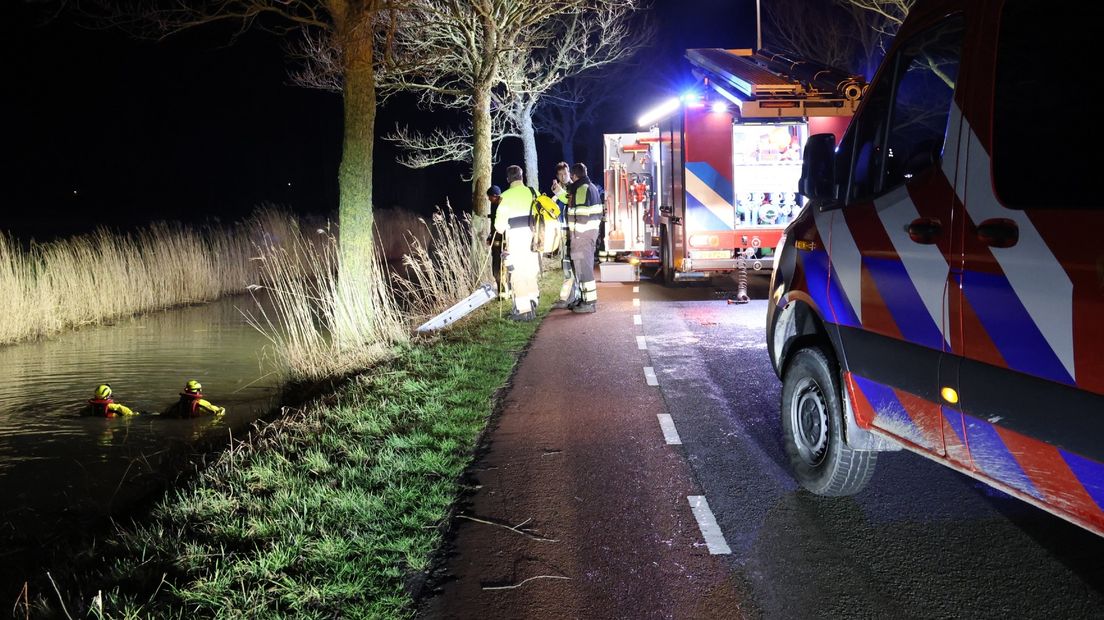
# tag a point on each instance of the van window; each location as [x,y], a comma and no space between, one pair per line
[903,125]
[1045,132]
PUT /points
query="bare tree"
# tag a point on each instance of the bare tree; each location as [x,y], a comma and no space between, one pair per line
[890,13]
[789,26]
[878,21]
[571,45]
[575,103]
[848,34]
[337,42]
[451,52]
[446,144]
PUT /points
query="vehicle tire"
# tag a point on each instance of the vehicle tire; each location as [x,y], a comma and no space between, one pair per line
[812,426]
[666,261]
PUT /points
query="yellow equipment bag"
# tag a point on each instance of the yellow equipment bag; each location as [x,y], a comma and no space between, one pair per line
[544,220]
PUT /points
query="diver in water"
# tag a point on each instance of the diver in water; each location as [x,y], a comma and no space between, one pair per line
[192,403]
[101,404]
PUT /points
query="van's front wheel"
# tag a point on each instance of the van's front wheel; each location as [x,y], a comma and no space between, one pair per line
[812,423]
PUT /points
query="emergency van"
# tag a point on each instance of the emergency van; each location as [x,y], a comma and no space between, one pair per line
[943,289]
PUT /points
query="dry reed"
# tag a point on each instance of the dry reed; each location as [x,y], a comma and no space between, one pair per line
[447,269]
[104,275]
[320,321]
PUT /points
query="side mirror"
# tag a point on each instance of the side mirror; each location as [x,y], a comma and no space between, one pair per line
[818,171]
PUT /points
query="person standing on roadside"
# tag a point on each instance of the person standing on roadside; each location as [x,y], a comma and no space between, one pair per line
[494,196]
[569,291]
[522,263]
[584,215]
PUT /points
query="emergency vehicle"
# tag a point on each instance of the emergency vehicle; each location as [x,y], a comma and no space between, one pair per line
[711,182]
[943,290]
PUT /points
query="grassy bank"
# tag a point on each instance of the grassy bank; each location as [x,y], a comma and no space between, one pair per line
[330,511]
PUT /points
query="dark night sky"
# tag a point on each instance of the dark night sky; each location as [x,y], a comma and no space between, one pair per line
[193,127]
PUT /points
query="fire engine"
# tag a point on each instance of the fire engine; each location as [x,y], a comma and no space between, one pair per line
[710,182]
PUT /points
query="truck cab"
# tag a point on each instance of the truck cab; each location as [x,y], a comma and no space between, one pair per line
[941,292]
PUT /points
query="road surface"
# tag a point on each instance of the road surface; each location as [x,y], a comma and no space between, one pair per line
[637,457]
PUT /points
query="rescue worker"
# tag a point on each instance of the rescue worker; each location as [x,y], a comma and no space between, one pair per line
[522,263]
[494,196]
[569,291]
[584,216]
[192,403]
[101,404]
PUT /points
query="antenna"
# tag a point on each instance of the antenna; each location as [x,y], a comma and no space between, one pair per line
[758,28]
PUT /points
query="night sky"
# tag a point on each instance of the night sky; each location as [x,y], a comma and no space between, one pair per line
[103,129]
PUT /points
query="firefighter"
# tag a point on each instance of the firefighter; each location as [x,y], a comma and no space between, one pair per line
[101,404]
[192,403]
[584,216]
[494,196]
[522,263]
[569,291]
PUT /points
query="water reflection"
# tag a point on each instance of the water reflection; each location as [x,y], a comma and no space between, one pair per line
[54,462]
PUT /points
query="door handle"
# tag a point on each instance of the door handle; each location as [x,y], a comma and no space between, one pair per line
[924,230]
[998,233]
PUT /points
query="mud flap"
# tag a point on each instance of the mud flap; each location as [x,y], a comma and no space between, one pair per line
[857,437]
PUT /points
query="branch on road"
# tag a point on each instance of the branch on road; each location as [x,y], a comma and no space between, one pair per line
[512,528]
[518,585]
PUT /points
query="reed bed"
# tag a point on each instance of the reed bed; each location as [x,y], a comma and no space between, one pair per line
[88,279]
[320,321]
[445,270]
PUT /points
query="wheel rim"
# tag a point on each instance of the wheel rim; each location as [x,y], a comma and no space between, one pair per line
[809,422]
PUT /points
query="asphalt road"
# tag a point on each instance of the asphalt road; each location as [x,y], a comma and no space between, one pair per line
[920,541]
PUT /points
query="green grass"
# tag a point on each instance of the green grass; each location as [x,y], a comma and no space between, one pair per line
[326,512]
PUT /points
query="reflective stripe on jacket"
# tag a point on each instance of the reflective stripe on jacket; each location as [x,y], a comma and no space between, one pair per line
[514,208]
[584,213]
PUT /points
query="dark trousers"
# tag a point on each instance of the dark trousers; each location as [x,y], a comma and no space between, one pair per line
[496,261]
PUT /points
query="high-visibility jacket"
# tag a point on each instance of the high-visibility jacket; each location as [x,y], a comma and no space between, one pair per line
[522,263]
[514,209]
[584,212]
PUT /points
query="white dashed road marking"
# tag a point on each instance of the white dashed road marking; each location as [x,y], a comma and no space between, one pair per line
[670,433]
[636,319]
[636,302]
[707,523]
[636,289]
[650,376]
[641,343]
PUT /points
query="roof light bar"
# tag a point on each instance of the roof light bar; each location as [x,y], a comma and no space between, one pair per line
[657,113]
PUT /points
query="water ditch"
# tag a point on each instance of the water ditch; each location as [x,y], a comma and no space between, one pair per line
[61,471]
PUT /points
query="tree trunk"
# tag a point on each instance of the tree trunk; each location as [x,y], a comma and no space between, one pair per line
[481,151]
[481,165]
[355,174]
[529,145]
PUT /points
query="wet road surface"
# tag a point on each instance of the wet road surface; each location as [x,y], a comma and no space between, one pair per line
[920,541]
[662,479]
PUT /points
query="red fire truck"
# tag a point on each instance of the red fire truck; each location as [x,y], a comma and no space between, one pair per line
[710,182]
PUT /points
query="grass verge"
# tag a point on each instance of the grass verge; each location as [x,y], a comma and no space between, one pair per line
[330,511]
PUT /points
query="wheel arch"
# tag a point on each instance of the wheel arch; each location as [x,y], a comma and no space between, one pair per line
[797,324]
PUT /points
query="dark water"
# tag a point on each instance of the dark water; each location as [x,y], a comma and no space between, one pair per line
[60,470]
